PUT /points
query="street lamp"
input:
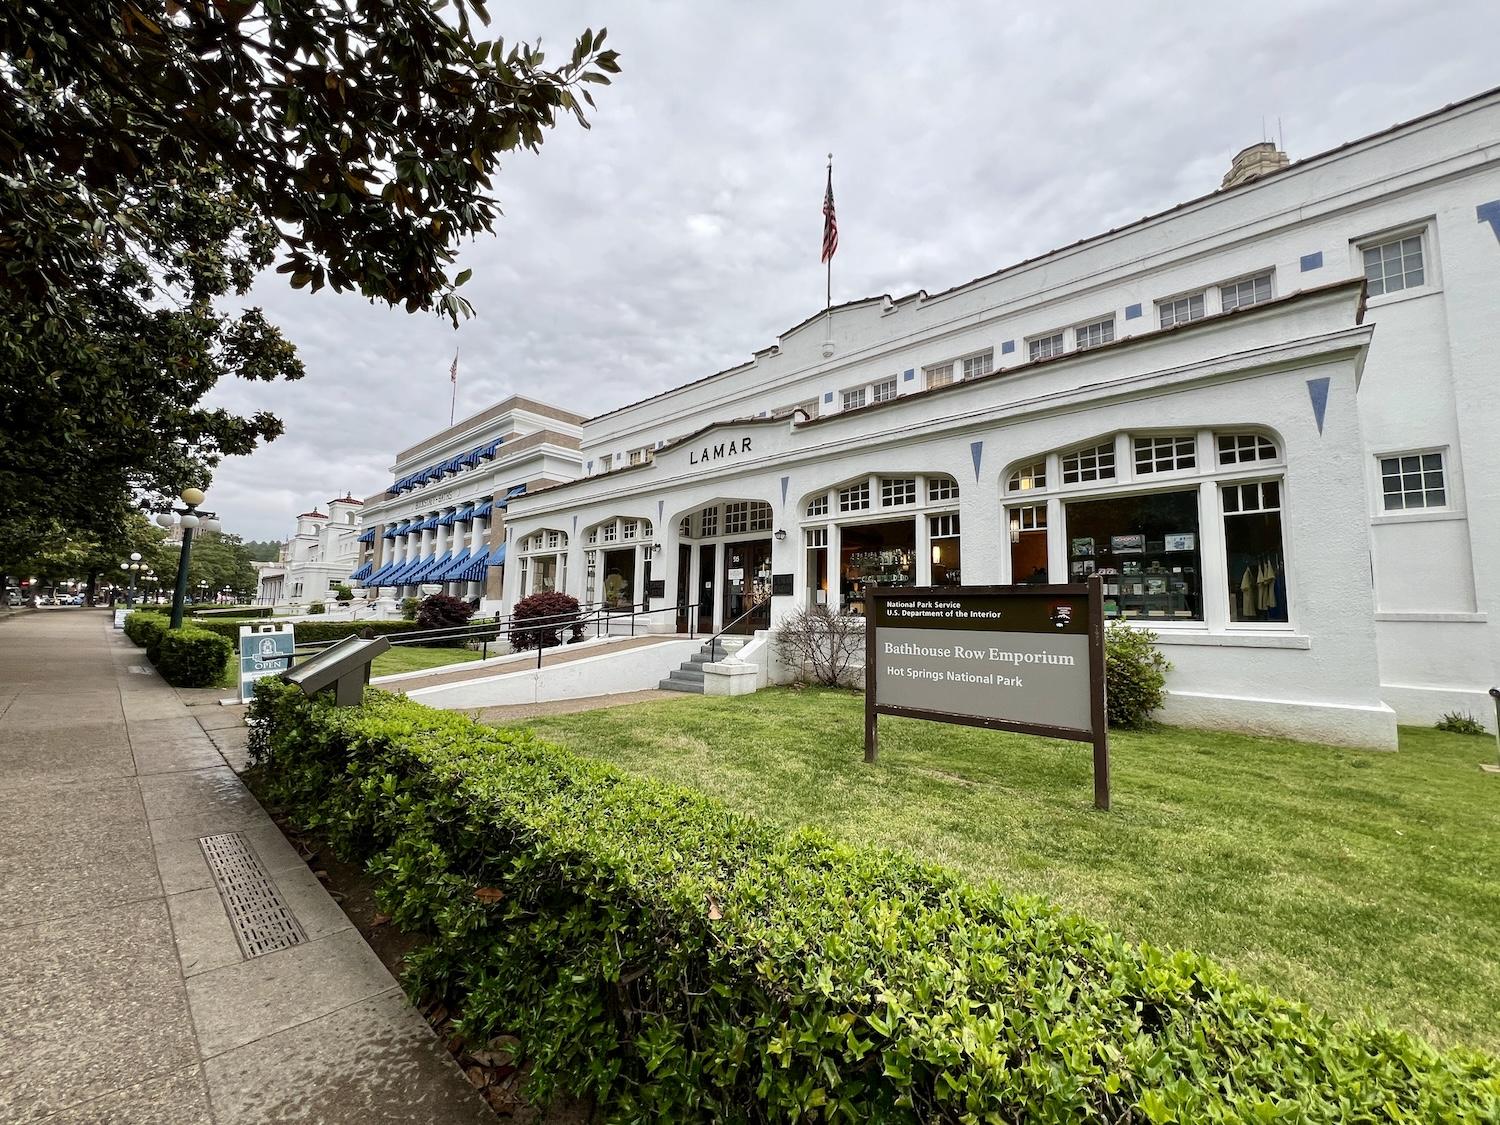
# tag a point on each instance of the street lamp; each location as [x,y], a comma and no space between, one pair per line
[131,569]
[188,517]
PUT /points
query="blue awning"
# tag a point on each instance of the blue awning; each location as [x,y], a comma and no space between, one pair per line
[474,570]
[402,574]
[489,450]
[450,571]
[464,514]
[497,556]
[428,524]
[390,533]
[484,509]
[368,536]
[378,578]
[427,572]
[362,573]
[446,520]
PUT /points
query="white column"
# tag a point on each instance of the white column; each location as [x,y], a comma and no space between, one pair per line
[1057,543]
[1213,564]
[924,549]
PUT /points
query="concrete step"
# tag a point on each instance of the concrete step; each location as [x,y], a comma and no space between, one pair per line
[681,685]
[686,673]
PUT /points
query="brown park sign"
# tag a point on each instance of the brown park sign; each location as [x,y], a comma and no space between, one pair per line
[1028,659]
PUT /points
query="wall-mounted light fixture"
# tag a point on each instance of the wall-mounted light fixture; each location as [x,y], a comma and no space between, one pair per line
[781,535]
[1015,529]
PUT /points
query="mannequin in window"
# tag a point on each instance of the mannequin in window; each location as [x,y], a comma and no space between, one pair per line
[614,588]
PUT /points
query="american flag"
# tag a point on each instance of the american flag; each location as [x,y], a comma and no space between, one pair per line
[830,221]
[453,371]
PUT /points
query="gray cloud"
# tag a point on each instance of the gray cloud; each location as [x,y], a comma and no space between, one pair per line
[682,232]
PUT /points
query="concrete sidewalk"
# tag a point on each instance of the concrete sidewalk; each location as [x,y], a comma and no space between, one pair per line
[126,994]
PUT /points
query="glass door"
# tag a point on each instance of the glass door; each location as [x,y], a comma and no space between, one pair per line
[747,585]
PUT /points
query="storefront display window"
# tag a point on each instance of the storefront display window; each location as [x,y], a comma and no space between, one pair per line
[1252,550]
[1147,549]
[619,578]
[1028,545]
[875,554]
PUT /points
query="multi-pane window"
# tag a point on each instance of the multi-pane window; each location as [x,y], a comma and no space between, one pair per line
[606,462]
[709,522]
[1029,477]
[611,531]
[1246,291]
[1164,454]
[817,506]
[646,529]
[895,491]
[1044,347]
[1097,462]
[855,498]
[760,516]
[553,537]
[941,490]
[943,533]
[1181,310]
[628,529]
[593,536]
[684,528]
[854,399]
[1092,335]
[637,456]
[1253,551]
[1236,449]
[1395,265]
[736,518]
[977,365]
[883,391]
[817,537]
[1413,480]
[939,374]
[1033,517]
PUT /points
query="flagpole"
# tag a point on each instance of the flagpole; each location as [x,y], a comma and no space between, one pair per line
[828,293]
[453,378]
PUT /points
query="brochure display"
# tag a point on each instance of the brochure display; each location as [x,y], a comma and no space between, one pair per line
[1028,659]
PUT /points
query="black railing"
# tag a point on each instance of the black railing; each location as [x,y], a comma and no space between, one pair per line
[756,608]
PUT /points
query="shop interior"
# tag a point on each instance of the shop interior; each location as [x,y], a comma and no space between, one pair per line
[1147,550]
[875,554]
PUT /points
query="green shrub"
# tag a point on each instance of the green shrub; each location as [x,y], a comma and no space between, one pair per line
[192,657]
[1460,722]
[342,593]
[680,962]
[227,611]
[317,607]
[1135,675]
[409,608]
[146,629]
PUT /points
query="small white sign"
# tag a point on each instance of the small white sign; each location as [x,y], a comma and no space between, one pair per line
[265,650]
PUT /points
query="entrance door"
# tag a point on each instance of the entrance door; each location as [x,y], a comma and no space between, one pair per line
[706,588]
[747,585]
[684,585]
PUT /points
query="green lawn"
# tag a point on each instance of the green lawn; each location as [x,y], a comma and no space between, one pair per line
[1349,879]
[400,658]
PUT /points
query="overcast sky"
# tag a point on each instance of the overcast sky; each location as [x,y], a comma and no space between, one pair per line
[682,232]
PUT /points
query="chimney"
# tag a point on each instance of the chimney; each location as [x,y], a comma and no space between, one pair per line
[1250,163]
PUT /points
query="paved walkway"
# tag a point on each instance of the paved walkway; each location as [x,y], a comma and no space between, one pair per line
[124,993]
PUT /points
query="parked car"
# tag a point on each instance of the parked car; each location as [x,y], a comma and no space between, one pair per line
[13,597]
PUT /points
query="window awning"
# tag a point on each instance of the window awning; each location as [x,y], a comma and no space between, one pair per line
[447,519]
[368,536]
[390,533]
[464,514]
[428,571]
[497,557]
[453,570]
[489,450]
[380,576]
[403,573]
[475,569]
[484,509]
[362,573]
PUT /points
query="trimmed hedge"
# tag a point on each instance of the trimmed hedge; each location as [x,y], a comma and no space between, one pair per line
[309,632]
[227,611]
[191,656]
[680,962]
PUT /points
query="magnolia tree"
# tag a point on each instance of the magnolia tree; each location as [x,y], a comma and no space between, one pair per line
[821,646]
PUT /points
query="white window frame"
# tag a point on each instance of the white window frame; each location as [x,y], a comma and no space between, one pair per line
[1422,230]
[1424,509]
[1169,450]
[884,390]
[898,492]
[1028,478]
[1083,333]
[1103,454]
[1200,295]
[1250,279]
[855,398]
[856,497]
[938,374]
[942,490]
[817,507]
[1259,447]
[977,365]
[1047,345]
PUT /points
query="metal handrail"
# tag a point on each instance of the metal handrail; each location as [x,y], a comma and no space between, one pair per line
[715,638]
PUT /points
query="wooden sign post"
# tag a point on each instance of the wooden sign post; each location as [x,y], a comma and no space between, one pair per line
[1028,659]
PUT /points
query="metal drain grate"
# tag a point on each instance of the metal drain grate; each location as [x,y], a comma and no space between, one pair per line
[262,921]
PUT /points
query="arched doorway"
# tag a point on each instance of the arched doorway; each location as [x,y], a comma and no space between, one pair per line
[725,547]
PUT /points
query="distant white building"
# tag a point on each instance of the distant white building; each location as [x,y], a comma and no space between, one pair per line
[316,559]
